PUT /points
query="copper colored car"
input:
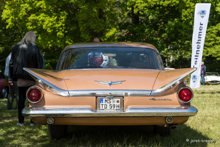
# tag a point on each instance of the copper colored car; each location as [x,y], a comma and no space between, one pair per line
[109,84]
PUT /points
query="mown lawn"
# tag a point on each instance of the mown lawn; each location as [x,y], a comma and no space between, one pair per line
[201,130]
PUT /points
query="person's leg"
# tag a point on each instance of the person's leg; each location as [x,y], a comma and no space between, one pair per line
[203,79]
[21,102]
[10,96]
[15,92]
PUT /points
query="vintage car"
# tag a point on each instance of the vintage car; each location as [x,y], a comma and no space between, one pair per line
[3,86]
[212,78]
[107,84]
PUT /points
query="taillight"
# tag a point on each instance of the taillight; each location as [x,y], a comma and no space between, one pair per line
[185,95]
[34,95]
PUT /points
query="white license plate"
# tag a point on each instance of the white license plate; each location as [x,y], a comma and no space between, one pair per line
[109,104]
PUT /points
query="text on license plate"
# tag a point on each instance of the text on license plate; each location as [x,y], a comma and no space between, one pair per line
[109,104]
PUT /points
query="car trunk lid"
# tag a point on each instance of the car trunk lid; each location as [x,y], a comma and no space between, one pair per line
[99,79]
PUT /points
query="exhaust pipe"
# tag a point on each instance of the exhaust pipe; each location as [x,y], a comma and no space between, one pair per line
[169,119]
[50,120]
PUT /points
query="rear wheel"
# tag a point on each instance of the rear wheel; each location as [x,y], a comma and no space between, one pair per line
[57,131]
[162,131]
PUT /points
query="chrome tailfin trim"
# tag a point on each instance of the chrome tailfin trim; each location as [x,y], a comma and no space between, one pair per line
[48,85]
[171,84]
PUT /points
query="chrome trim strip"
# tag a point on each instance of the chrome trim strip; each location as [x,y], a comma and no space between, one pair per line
[34,87]
[48,85]
[72,93]
[171,84]
[130,112]
[110,83]
[113,92]
[185,87]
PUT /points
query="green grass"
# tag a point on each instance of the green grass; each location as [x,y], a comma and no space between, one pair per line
[200,130]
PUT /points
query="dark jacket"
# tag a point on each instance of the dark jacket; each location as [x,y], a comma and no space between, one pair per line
[24,55]
[203,70]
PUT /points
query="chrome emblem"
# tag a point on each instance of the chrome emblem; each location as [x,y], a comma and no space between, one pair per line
[110,83]
[160,99]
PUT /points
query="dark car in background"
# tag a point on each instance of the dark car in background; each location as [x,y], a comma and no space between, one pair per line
[3,85]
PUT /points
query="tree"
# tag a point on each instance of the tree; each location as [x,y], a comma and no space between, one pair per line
[7,37]
[166,24]
[211,53]
[59,23]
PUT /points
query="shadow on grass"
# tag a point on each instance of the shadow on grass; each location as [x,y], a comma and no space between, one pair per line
[129,136]
[13,135]
[205,92]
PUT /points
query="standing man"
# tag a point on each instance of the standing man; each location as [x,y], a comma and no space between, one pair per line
[203,72]
[12,88]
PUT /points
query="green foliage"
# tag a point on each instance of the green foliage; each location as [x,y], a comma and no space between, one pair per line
[212,46]
[64,22]
[48,66]
[6,41]
[166,24]
[97,18]
[61,23]
[211,51]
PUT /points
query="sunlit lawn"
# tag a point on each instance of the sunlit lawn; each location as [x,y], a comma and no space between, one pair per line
[201,130]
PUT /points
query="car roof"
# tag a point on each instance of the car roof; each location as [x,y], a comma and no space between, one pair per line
[111,44]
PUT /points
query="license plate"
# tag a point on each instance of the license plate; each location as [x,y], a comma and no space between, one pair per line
[105,104]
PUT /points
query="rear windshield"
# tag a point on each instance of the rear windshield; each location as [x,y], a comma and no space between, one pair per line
[84,58]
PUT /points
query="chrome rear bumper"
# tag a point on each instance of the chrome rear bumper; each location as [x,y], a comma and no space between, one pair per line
[86,112]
